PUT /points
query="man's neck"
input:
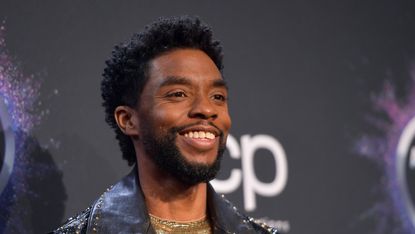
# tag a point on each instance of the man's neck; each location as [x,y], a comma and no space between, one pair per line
[167,197]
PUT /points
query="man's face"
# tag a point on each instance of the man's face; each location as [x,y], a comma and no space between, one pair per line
[183,112]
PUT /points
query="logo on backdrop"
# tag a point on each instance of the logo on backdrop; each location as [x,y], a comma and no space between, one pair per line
[394,151]
[6,146]
[252,186]
[405,167]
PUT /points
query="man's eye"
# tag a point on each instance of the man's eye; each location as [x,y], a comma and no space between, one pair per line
[176,94]
[219,97]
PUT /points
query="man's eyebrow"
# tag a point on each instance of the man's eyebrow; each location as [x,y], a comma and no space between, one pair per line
[220,83]
[180,80]
[175,80]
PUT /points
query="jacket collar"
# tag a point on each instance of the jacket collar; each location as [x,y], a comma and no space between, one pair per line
[121,209]
[225,216]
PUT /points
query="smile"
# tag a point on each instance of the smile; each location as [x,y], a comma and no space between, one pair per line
[200,135]
[200,138]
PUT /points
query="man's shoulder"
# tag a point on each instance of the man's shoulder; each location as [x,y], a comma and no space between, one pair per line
[75,224]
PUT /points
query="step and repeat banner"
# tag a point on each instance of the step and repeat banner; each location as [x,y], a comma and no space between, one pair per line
[322,97]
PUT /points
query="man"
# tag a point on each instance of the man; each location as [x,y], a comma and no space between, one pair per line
[165,97]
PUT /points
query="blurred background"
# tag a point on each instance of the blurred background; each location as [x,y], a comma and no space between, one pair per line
[322,96]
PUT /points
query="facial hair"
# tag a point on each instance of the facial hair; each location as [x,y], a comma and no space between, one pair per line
[166,155]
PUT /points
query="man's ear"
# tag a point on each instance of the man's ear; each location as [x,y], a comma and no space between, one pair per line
[127,120]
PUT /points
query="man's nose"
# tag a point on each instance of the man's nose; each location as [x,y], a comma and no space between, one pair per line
[203,108]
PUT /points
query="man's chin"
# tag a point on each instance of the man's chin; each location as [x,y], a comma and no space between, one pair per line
[200,160]
[185,163]
[192,172]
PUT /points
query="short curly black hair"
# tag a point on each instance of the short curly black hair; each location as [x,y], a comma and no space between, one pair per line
[125,74]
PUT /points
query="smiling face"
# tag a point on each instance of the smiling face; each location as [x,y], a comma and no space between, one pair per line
[183,115]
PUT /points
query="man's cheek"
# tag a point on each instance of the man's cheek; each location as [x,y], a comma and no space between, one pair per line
[167,116]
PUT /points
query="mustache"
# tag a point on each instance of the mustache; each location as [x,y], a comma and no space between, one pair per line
[181,128]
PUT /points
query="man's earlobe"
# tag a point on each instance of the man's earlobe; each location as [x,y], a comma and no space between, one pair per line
[127,120]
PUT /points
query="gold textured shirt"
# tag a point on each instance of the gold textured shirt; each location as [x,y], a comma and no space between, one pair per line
[163,226]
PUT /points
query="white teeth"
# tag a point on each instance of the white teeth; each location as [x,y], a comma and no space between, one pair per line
[210,135]
[200,134]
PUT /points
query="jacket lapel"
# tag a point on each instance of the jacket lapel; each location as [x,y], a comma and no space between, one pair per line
[224,215]
[121,209]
